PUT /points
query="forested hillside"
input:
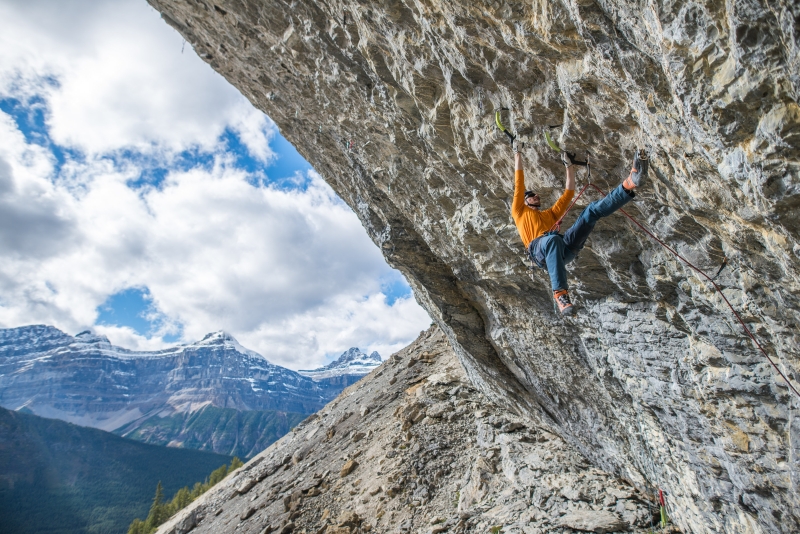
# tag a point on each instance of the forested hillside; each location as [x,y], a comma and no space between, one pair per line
[59,478]
[224,430]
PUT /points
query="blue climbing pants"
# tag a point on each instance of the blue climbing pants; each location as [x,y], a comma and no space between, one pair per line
[552,251]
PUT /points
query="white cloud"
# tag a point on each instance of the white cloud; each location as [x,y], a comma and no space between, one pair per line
[290,273]
[333,326]
[115,78]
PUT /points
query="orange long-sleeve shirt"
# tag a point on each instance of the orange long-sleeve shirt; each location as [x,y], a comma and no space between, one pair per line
[532,223]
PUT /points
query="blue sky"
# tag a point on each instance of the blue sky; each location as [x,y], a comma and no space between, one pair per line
[144,198]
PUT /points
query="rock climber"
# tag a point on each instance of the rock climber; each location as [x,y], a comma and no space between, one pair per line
[546,247]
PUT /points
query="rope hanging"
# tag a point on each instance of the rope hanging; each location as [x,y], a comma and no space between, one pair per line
[557,225]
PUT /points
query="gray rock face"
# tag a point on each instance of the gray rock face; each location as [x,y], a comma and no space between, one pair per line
[433,455]
[87,381]
[653,380]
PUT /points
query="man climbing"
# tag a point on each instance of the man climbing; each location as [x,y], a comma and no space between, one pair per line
[547,248]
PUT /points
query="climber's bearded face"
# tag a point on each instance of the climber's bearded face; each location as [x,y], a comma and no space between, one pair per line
[533,201]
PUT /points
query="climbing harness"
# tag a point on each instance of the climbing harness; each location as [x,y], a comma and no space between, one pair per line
[693,267]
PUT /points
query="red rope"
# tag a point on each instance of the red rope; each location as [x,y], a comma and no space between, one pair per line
[557,226]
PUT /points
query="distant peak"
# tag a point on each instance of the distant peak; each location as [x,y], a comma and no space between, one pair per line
[220,336]
[87,336]
[225,340]
[353,357]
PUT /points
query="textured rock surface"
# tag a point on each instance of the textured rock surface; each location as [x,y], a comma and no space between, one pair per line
[392,102]
[430,455]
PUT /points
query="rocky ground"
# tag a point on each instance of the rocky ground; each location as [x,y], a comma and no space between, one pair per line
[413,447]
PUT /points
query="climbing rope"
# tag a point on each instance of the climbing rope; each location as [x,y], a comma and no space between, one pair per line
[557,228]
[649,455]
[557,225]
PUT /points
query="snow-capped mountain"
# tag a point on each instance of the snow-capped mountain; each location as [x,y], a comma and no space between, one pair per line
[88,381]
[352,363]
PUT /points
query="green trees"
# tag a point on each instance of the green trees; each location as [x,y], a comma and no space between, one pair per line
[76,480]
[160,511]
[229,431]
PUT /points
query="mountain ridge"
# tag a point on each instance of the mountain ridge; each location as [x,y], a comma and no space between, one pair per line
[352,362]
[86,380]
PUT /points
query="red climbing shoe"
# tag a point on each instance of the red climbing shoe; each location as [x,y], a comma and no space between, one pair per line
[638,172]
[563,303]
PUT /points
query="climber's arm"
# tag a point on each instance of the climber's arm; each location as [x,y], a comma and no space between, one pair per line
[562,204]
[518,204]
[570,178]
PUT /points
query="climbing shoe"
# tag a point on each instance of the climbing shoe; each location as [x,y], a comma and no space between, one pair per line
[638,172]
[563,302]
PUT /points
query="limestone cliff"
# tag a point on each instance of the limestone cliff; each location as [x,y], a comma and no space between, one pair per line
[653,380]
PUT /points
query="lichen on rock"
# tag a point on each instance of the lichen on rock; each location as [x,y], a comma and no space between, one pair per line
[653,380]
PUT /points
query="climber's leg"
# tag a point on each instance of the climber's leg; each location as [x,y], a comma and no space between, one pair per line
[575,237]
[548,251]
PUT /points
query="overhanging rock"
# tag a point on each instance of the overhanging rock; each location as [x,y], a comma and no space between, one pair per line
[392,102]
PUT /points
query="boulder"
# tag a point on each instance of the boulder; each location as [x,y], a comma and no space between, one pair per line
[348,468]
[599,522]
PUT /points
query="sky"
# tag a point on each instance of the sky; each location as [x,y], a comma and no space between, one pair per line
[143,198]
